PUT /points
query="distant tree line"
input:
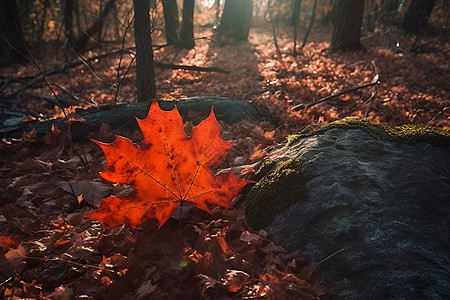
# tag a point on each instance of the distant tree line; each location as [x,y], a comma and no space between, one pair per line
[80,25]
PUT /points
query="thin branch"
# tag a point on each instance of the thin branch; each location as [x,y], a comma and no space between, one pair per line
[415,48]
[310,24]
[162,65]
[37,78]
[328,257]
[66,261]
[69,133]
[297,19]
[86,35]
[120,80]
[274,28]
[206,37]
[65,102]
[375,81]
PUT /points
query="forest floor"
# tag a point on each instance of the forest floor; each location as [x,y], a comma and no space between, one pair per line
[51,251]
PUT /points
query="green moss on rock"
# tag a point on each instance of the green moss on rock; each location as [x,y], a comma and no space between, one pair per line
[280,184]
[411,134]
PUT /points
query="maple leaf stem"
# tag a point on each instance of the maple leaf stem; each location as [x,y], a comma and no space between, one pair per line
[156,180]
[179,221]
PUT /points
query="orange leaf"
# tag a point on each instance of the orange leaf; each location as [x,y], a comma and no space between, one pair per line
[8,241]
[170,169]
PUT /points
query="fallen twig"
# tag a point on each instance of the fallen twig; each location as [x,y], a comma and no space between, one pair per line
[418,48]
[162,65]
[39,77]
[66,118]
[119,79]
[375,81]
[328,257]
[66,102]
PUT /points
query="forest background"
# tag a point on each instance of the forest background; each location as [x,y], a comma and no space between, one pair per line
[305,62]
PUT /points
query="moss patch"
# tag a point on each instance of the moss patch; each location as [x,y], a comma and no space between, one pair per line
[411,134]
[280,184]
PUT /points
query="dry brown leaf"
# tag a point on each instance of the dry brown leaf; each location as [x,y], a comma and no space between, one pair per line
[16,258]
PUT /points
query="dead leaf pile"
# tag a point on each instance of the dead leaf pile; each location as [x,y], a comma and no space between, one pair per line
[49,250]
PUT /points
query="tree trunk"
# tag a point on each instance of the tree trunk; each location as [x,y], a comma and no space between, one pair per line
[145,72]
[311,23]
[217,8]
[96,27]
[236,19]
[347,25]
[416,17]
[68,20]
[12,45]
[388,9]
[171,22]
[43,22]
[187,25]
[295,5]
[328,15]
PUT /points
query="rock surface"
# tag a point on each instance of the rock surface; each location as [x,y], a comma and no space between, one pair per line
[385,203]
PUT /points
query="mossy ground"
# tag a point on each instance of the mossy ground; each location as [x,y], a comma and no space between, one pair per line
[281,183]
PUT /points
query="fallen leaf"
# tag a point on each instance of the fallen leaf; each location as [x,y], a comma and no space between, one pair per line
[170,169]
[61,293]
[80,199]
[106,280]
[60,243]
[250,237]
[235,280]
[221,239]
[16,258]
[8,241]
[145,290]
[92,191]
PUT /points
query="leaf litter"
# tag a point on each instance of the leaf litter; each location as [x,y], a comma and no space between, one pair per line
[54,252]
[50,251]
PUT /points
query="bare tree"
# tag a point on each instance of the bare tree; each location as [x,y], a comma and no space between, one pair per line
[95,28]
[12,46]
[295,6]
[388,8]
[145,71]
[68,20]
[236,19]
[187,25]
[217,8]
[347,24]
[417,15]
[170,10]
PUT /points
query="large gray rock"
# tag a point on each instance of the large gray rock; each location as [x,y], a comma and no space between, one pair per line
[385,203]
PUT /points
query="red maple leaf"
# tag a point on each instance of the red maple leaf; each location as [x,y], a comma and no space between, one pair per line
[169,169]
